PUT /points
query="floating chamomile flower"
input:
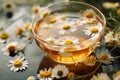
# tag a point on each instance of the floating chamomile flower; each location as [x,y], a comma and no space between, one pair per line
[89,13]
[90,61]
[45,74]
[93,30]
[31,78]
[50,39]
[116,75]
[68,40]
[66,27]
[60,71]
[111,5]
[100,76]
[3,37]
[18,64]
[104,58]
[12,48]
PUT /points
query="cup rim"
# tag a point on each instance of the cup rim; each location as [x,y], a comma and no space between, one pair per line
[78,2]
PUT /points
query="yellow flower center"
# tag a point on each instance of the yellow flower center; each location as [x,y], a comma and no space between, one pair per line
[103,56]
[50,41]
[70,75]
[52,20]
[27,25]
[89,15]
[11,48]
[45,74]
[112,4]
[66,26]
[17,63]
[8,6]
[35,10]
[94,30]
[90,59]
[4,36]
[118,12]
[19,31]
[68,42]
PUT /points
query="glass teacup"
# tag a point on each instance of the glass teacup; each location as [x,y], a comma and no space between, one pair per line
[68,32]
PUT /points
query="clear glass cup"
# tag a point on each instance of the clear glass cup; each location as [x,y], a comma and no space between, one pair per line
[68,32]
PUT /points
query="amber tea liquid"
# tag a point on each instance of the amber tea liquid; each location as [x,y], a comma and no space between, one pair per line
[70,54]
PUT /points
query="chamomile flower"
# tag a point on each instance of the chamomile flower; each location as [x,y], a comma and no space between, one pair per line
[68,40]
[19,31]
[111,5]
[12,48]
[116,75]
[89,13]
[8,6]
[90,61]
[44,12]
[31,78]
[3,37]
[93,30]
[66,27]
[104,58]
[50,39]
[45,74]
[27,26]
[60,71]
[100,76]
[18,64]
[109,38]
[116,78]
[118,11]
[36,9]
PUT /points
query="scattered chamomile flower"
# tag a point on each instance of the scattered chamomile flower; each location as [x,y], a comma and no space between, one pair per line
[4,36]
[111,5]
[116,75]
[89,13]
[104,58]
[31,78]
[90,61]
[66,27]
[118,11]
[110,39]
[93,30]
[18,64]
[45,74]
[60,71]
[19,31]
[116,78]
[27,26]
[12,48]
[70,76]
[8,6]
[68,40]
[36,9]
[100,76]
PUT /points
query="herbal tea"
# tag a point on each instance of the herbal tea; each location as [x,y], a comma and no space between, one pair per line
[68,37]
